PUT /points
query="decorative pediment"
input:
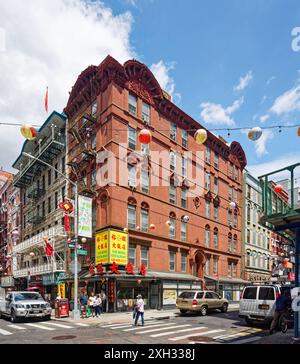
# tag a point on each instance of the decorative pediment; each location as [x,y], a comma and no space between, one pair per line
[208,196]
[217,201]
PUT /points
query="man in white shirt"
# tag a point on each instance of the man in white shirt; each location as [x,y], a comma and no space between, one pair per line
[140,304]
[92,303]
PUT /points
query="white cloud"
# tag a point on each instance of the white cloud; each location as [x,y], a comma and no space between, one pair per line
[216,114]
[49,43]
[272,78]
[287,102]
[267,167]
[261,143]
[244,81]
[263,99]
[161,71]
[264,118]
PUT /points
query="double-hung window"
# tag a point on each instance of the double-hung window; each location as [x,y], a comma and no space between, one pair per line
[146,113]
[131,138]
[132,104]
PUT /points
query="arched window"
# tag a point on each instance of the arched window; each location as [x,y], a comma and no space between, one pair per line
[215,238]
[229,243]
[235,244]
[248,255]
[131,213]
[207,235]
[172,229]
[259,260]
[254,258]
[268,262]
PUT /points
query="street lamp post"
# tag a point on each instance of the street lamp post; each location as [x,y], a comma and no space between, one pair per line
[76,311]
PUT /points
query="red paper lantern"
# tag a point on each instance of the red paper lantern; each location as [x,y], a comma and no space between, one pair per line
[28,132]
[278,188]
[145,136]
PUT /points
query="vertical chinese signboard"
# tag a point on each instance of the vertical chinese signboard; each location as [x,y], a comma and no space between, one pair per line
[61,290]
[85,216]
[111,246]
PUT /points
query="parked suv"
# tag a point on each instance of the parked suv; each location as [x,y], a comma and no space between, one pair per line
[18,304]
[200,301]
[257,302]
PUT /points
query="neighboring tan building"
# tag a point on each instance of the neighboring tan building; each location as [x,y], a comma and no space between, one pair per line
[257,240]
[186,240]
[42,189]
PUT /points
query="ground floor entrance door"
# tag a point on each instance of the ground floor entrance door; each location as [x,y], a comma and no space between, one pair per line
[155,295]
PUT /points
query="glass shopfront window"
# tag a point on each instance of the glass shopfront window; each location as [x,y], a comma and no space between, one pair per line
[127,292]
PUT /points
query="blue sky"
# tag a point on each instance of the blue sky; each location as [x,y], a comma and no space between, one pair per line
[211,44]
[226,63]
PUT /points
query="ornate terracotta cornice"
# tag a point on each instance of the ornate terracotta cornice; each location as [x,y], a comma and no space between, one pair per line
[136,77]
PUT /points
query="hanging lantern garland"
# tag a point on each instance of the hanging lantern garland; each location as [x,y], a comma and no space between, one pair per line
[200,136]
[255,133]
[68,209]
[145,136]
[28,132]
[232,205]
[278,189]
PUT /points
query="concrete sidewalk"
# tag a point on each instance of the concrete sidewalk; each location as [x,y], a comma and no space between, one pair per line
[121,317]
[125,317]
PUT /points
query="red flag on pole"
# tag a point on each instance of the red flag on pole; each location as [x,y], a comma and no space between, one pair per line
[46,100]
[49,249]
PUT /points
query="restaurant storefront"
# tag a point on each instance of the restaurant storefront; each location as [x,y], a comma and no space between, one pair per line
[158,289]
[229,288]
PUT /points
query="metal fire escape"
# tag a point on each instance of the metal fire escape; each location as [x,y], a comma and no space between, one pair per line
[82,132]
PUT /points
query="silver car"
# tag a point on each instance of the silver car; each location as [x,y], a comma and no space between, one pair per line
[19,304]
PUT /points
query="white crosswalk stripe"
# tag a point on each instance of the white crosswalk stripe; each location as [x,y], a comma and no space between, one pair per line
[17,327]
[178,331]
[162,329]
[60,325]
[120,327]
[113,325]
[41,327]
[80,324]
[146,327]
[4,332]
[200,333]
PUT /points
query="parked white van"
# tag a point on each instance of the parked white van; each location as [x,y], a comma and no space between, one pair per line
[257,303]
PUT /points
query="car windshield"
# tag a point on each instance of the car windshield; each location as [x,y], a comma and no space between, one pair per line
[27,296]
[190,295]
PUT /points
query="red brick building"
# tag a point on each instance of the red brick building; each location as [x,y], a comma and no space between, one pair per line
[185,233]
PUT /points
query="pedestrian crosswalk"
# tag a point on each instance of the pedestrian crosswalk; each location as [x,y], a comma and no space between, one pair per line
[176,331]
[11,329]
[173,331]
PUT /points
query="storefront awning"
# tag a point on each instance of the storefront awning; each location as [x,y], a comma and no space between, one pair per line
[226,280]
[150,275]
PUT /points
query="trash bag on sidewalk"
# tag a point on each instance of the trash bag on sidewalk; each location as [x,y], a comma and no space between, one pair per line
[89,312]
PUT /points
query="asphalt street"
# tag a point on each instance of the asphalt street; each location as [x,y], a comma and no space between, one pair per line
[215,328]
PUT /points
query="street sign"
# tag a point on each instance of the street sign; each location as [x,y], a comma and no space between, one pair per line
[80,252]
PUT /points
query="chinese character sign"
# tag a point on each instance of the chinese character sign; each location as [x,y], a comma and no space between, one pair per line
[85,216]
[118,247]
[101,248]
[61,290]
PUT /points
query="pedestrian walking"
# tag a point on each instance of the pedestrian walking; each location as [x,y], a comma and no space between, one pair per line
[140,304]
[98,307]
[83,303]
[283,303]
[103,299]
[92,304]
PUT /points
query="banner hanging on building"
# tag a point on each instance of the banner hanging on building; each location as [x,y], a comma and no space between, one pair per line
[85,216]
[111,246]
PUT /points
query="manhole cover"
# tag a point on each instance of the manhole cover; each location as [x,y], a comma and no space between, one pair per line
[65,337]
[201,338]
